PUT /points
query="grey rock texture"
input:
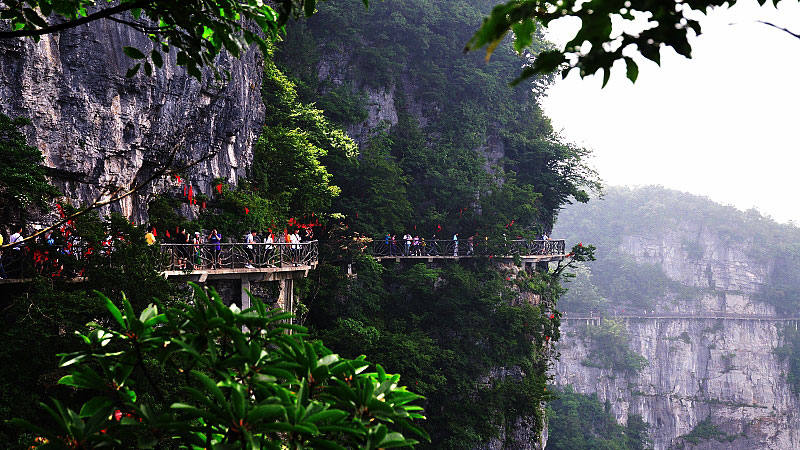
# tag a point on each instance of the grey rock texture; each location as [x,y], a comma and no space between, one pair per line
[98,129]
[722,369]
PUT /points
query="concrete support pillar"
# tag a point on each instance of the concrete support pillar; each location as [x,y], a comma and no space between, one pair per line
[286,295]
[245,302]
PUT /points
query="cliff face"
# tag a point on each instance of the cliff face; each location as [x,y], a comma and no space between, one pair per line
[700,367]
[99,129]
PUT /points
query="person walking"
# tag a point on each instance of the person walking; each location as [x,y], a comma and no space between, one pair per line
[407,240]
[197,241]
[470,248]
[455,244]
[433,247]
[269,247]
[17,262]
[215,239]
[294,239]
[251,251]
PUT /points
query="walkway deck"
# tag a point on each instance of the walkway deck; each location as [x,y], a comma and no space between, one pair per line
[685,316]
[442,250]
[229,260]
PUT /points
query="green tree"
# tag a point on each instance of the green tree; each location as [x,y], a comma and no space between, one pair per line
[427,322]
[610,345]
[249,380]
[60,300]
[23,181]
[581,422]
[289,158]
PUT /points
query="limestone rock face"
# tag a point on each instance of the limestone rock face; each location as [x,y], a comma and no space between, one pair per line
[98,129]
[699,367]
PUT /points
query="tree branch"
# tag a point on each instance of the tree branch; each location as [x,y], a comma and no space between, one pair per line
[139,26]
[103,13]
[780,28]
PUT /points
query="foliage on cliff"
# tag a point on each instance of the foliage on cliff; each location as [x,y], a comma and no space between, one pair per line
[789,353]
[290,177]
[610,348]
[22,173]
[581,422]
[705,430]
[52,307]
[457,333]
[456,118]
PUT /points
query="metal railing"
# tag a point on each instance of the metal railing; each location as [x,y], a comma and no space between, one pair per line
[460,248]
[238,255]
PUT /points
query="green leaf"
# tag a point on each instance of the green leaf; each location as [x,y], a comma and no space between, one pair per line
[330,415]
[133,52]
[109,304]
[632,69]
[94,405]
[265,412]
[132,71]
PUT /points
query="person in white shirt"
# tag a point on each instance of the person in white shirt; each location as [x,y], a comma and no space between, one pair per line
[251,251]
[17,261]
[294,239]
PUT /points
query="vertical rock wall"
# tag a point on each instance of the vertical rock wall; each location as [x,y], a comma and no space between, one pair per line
[699,368]
[99,129]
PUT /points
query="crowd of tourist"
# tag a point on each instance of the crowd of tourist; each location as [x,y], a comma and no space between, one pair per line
[190,252]
[415,245]
[49,252]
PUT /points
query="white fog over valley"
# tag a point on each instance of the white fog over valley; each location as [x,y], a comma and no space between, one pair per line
[722,124]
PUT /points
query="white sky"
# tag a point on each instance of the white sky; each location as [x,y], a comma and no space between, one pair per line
[723,124]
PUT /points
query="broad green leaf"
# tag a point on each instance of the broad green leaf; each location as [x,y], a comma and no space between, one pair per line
[265,412]
[109,304]
[133,52]
[94,405]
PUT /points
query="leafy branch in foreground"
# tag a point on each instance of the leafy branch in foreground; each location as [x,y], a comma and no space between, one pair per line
[197,29]
[246,383]
[654,24]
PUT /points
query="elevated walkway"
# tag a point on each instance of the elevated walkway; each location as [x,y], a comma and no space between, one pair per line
[243,263]
[595,320]
[530,252]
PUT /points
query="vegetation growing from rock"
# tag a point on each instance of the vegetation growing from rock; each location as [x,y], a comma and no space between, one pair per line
[610,348]
[456,332]
[578,421]
[789,352]
[22,173]
[706,430]
[441,163]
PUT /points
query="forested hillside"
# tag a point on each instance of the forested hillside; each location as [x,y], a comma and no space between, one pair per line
[636,280]
[374,123]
